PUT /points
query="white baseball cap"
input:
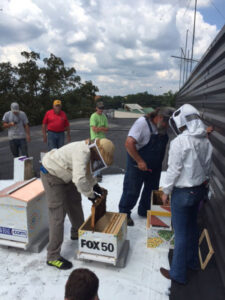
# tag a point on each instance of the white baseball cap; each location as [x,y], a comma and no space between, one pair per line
[15,107]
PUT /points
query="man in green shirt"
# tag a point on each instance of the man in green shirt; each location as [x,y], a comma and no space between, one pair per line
[98,123]
[98,128]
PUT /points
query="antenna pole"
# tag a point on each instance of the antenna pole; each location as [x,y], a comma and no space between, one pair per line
[193,36]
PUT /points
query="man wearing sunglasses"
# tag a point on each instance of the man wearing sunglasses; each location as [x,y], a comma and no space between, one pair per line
[67,173]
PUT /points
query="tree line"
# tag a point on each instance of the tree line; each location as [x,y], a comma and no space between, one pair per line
[36,82]
[144,99]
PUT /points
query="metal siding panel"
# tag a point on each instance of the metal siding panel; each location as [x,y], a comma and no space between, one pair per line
[205,89]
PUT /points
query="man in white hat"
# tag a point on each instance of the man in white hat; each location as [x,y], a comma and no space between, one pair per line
[16,122]
[67,173]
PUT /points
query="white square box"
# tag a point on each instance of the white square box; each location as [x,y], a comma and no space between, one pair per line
[23,168]
[106,242]
[24,215]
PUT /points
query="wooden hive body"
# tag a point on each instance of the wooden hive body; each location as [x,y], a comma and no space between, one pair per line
[106,241]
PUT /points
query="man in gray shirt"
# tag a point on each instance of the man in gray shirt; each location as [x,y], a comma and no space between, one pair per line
[16,122]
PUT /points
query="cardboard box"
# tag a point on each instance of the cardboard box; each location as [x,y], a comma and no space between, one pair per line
[106,242]
[159,229]
[23,168]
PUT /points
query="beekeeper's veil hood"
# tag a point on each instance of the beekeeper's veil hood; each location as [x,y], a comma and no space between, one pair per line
[187,117]
[104,148]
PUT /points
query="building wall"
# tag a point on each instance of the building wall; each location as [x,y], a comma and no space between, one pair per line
[205,89]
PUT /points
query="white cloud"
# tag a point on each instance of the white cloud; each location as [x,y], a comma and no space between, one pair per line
[103,78]
[204,33]
[122,46]
[12,53]
[171,74]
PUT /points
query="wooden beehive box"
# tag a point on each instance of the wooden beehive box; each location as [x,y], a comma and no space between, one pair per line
[159,229]
[106,242]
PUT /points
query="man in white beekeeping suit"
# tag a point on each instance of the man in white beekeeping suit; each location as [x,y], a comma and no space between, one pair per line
[187,177]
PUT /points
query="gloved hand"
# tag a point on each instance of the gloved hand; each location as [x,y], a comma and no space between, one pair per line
[94,198]
[97,189]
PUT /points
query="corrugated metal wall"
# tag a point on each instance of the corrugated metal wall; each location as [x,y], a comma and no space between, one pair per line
[205,89]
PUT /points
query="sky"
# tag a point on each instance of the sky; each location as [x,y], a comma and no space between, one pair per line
[122,46]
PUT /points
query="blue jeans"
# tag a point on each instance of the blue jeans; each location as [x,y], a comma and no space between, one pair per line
[184,208]
[55,140]
[133,182]
[17,146]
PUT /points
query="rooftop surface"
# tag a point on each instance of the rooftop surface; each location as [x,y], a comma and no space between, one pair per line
[25,275]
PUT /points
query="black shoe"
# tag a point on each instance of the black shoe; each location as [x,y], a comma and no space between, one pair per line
[130,222]
[60,263]
[74,238]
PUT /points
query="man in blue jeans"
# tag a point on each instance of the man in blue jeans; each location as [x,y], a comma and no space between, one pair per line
[186,177]
[145,145]
[56,123]
[16,122]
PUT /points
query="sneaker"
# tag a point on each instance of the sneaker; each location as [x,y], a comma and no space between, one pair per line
[130,222]
[60,263]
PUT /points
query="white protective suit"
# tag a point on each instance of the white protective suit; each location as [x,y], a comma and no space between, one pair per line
[190,152]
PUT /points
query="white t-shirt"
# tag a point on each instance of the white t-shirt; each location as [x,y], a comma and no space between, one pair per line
[141,132]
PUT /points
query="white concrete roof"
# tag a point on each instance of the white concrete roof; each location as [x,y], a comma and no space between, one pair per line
[26,276]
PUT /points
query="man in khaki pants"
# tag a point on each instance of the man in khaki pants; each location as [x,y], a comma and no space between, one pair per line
[66,172]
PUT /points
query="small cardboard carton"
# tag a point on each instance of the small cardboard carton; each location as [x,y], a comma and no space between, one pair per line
[159,228]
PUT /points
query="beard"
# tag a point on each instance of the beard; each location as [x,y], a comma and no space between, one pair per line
[162,129]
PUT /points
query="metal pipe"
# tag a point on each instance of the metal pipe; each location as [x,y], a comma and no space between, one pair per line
[185,54]
[187,64]
[193,36]
[180,68]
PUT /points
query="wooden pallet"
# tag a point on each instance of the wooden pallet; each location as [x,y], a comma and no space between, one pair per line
[98,209]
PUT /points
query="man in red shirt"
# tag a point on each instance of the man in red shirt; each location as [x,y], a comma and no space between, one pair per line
[56,123]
